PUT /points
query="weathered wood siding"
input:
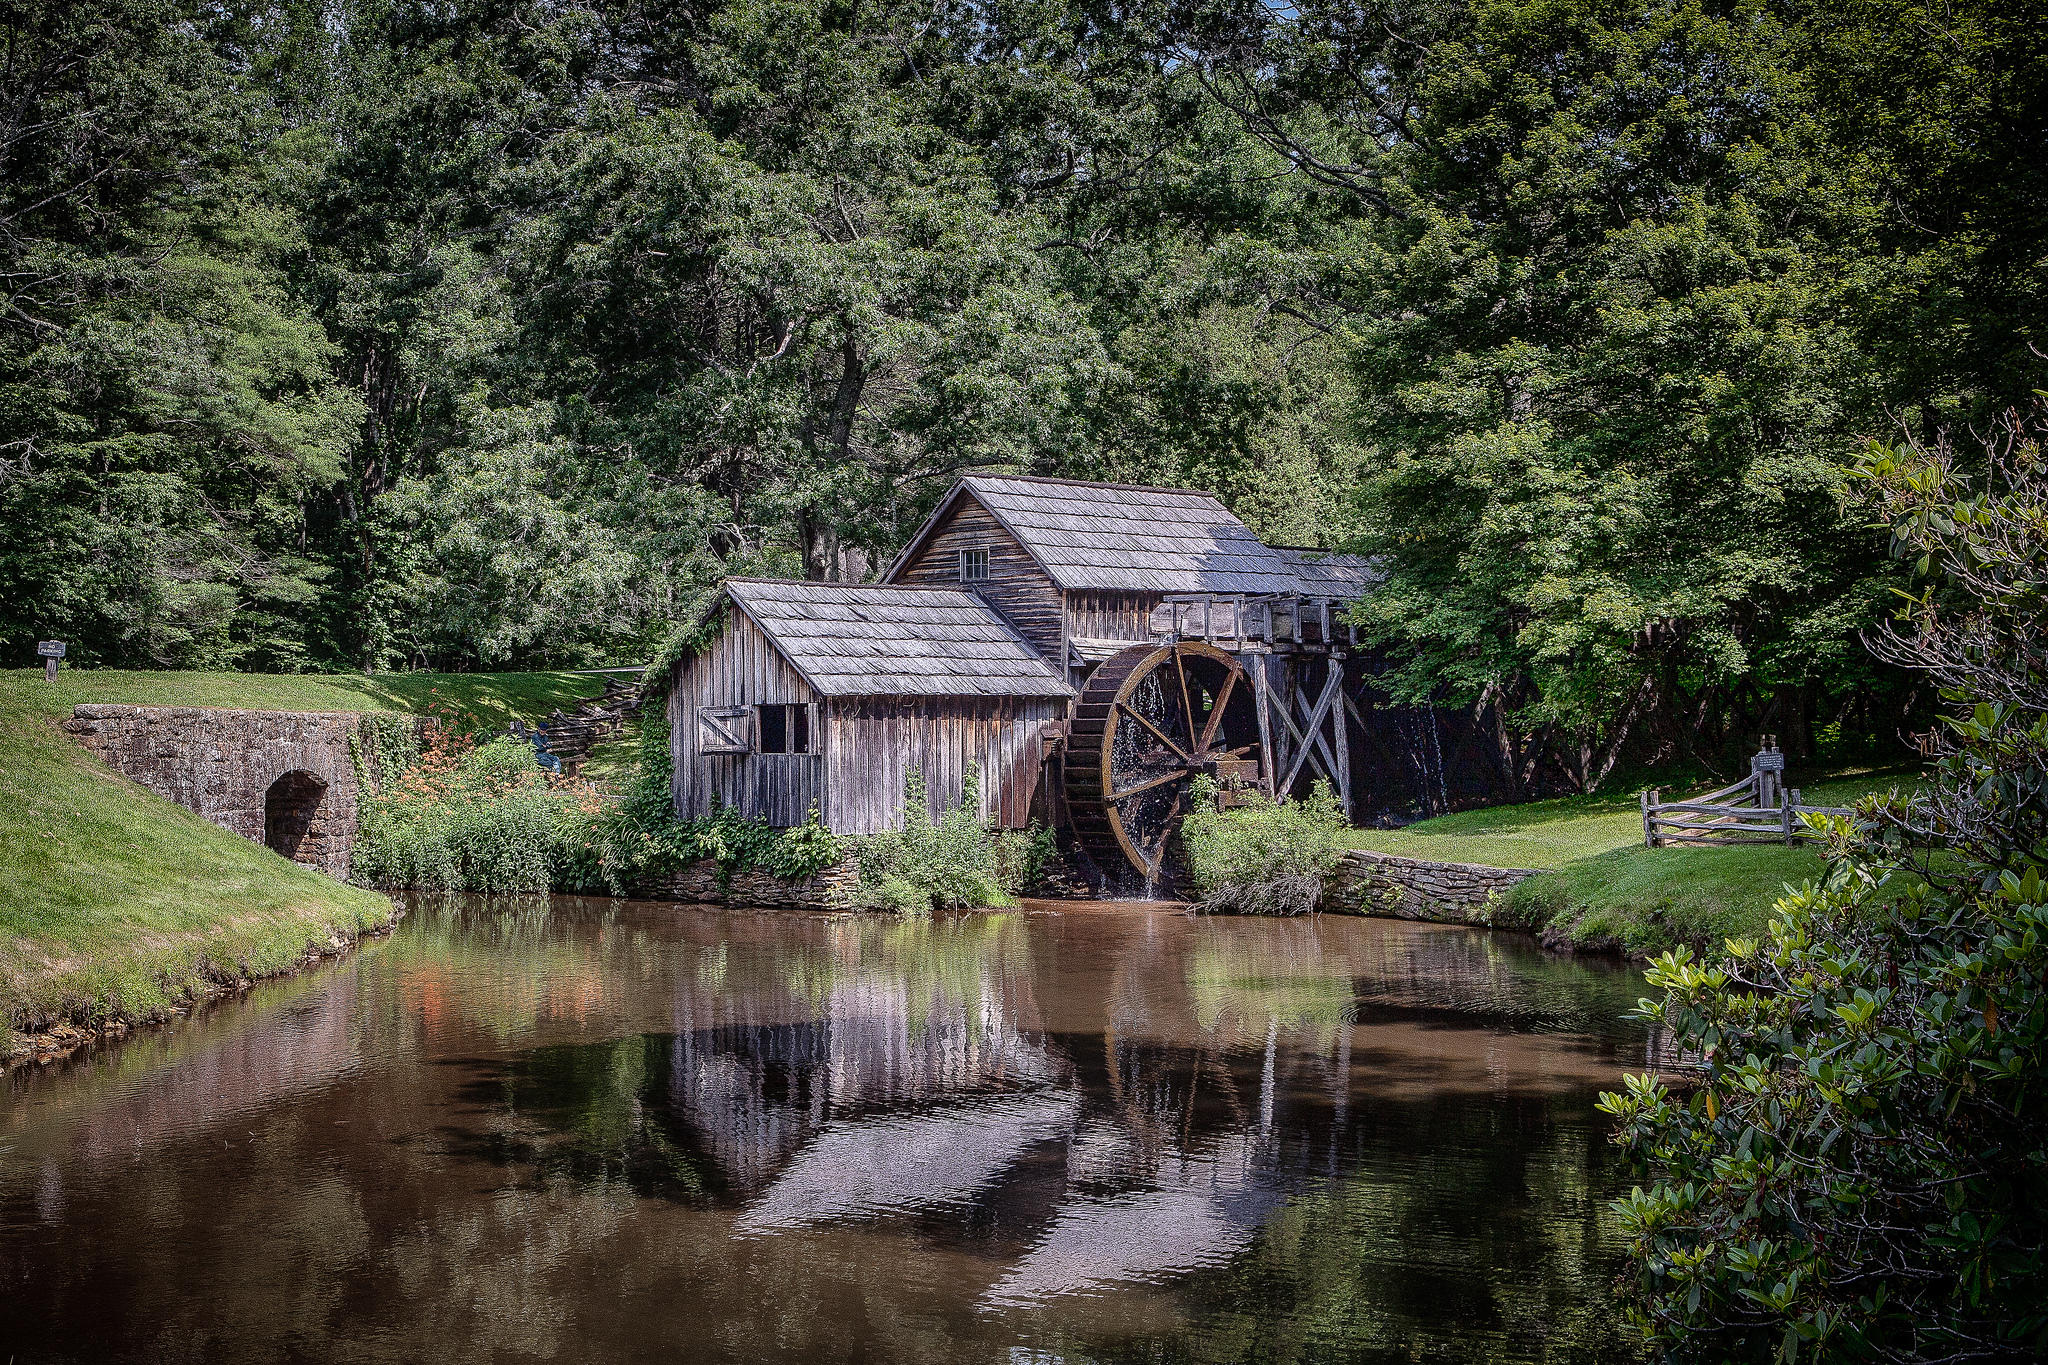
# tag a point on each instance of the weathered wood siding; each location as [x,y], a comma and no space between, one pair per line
[742,669]
[872,742]
[1111,615]
[1016,586]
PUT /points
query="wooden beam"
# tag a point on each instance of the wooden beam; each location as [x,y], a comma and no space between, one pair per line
[1164,738]
[1269,759]
[1216,714]
[1315,732]
[1305,740]
[1146,785]
[1327,763]
[1343,741]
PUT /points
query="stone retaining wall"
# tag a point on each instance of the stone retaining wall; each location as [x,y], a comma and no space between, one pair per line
[223,764]
[699,884]
[1369,883]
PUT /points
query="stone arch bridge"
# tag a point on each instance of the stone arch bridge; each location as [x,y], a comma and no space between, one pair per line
[285,779]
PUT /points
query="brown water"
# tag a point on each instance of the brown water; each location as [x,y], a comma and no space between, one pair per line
[614,1131]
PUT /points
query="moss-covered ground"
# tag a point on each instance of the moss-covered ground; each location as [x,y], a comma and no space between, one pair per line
[1600,887]
[118,905]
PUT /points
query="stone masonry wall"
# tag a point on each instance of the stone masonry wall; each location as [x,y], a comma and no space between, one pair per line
[221,765]
[698,884]
[1407,888]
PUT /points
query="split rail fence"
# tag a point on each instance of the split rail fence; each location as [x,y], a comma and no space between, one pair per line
[1757,810]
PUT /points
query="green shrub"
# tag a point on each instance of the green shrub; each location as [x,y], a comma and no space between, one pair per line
[461,816]
[640,836]
[954,861]
[1022,855]
[1859,1168]
[1263,857]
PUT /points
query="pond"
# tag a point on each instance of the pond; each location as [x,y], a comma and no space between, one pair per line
[584,1129]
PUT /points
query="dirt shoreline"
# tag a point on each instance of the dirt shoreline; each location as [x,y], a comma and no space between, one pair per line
[64,1037]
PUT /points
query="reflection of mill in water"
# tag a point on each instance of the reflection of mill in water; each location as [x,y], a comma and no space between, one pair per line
[890,1100]
[755,1078]
[1124,1207]
[1201,1085]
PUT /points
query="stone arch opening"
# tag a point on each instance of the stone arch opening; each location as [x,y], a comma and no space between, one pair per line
[290,807]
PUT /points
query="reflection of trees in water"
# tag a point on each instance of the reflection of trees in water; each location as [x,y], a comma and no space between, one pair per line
[1497,980]
[955,961]
[1452,1232]
[1279,976]
[1173,1102]
[503,964]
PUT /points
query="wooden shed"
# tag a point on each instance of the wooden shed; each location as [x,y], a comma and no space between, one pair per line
[825,694]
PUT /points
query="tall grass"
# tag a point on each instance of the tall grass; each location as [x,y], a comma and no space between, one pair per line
[955,861]
[466,816]
[1263,857]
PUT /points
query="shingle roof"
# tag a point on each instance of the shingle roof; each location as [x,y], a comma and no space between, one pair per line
[851,640]
[1129,538]
[1325,574]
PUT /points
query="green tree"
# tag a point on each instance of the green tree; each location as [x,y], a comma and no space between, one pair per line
[167,412]
[1607,274]
[1861,1168]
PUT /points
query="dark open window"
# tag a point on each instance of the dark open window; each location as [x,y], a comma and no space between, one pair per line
[974,566]
[783,728]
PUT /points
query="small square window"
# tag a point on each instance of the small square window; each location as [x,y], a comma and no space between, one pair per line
[783,728]
[974,566]
[724,729]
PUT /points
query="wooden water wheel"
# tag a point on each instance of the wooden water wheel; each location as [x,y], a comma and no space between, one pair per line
[1150,720]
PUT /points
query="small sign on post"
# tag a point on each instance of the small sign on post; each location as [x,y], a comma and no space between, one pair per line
[50,651]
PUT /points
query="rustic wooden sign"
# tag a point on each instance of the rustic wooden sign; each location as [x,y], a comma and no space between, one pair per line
[50,651]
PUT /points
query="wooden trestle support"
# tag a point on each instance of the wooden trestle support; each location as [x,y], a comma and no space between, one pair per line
[1157,714]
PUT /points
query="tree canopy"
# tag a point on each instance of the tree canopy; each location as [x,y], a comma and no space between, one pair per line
[376,333]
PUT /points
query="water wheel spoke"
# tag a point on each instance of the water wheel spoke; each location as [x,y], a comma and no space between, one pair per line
[1216,713]
[1187,710]
[1161,735]
[1145,786]
[1155,855]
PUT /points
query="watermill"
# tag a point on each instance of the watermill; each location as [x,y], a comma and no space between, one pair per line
[1150,720]
[1078,655]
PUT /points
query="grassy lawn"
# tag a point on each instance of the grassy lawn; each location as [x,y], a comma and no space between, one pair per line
[481,698]
[119,904]
[616,761]
[1600,885]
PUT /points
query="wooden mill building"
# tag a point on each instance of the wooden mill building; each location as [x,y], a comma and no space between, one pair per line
[1092,647]
[825,695]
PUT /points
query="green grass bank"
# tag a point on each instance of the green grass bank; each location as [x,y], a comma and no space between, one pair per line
[119,906]
[1602,889]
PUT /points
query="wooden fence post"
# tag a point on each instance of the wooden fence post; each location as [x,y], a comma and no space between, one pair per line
[1649,797]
